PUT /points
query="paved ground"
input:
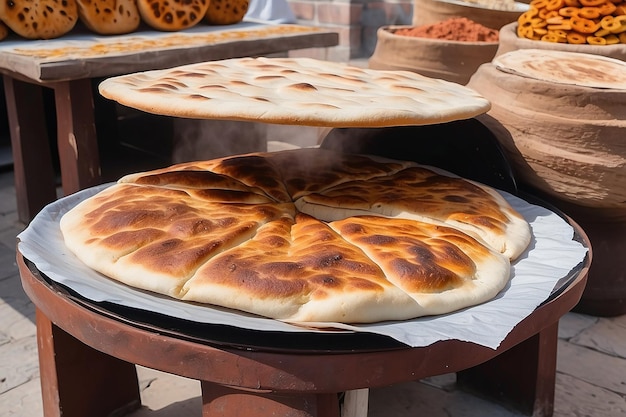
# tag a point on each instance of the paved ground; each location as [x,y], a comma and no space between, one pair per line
[591,377]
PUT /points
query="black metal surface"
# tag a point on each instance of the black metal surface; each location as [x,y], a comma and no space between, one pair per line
[228,336]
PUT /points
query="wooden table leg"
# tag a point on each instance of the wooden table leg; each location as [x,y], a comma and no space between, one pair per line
[35,183]
[79,381]
[218,400]
[523,376]
[77,141]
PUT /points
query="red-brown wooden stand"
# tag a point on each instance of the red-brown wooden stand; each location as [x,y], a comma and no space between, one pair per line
[87,363]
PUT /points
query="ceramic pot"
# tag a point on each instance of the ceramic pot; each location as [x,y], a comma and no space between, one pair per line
[426,12]
[453,61]
[567,144]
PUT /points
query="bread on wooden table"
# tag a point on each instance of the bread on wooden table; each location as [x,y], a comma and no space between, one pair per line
[39,19]
[109,17]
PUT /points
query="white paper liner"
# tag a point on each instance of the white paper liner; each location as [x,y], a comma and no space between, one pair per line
[552,254]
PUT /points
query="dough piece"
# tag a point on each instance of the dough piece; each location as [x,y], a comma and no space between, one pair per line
[39,19]
[296,91]
[109,17]
[226,12]
[172,15]
[441,268]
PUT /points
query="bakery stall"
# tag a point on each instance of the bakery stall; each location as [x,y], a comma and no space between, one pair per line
[411,141]
[69,64]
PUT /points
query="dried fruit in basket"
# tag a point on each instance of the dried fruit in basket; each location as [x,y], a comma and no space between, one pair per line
[593,22]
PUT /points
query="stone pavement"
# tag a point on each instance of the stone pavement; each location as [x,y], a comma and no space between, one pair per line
[591,378]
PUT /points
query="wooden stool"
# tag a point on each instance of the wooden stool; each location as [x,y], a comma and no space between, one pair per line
[87,354]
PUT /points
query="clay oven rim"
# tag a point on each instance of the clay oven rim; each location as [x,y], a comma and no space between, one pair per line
[390,31]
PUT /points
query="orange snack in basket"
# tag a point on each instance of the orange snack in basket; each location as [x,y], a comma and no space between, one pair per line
[555,4]
[607,8]
[576,38]
[568,11]
[596,40]
[582,25]
[591,3]
[589,12]
[594,22]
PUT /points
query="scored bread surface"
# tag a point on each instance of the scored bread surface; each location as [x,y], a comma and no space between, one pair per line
[212,232]
[298,91]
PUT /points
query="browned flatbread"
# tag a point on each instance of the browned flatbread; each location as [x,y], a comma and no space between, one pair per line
[422,194]
[39,19]
[155,238]
[172,15]
[212,232]
[295,91]
[109,17]
[320,278]
[226,12]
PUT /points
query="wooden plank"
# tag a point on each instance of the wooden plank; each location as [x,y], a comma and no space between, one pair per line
[35,184]
[88,56]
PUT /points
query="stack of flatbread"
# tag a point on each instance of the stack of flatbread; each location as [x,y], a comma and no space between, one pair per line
[306,235]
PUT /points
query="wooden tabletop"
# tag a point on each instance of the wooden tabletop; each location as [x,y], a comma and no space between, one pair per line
[82,54]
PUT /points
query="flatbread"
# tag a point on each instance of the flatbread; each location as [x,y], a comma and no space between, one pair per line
[39,19]
[172,16]
[297,91]
[155,238]
[563,67]
[226,12]
[109,17]
[197,232]
[423,194]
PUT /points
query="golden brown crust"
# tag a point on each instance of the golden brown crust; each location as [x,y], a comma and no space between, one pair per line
[226,233]
[226,12]
[417,192]
[39,19]
[172,15]
[109,17]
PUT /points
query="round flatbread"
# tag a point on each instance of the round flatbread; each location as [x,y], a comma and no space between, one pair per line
[39,19]
[213,232]
[172,16]
[562,67]
[226,12]
[109,17]
[297,91]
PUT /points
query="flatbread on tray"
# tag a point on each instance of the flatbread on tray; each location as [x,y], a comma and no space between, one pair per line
[198,232]
[296,91]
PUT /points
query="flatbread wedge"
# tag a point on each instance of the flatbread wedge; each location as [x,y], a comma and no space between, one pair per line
[154,238]
[422,194]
